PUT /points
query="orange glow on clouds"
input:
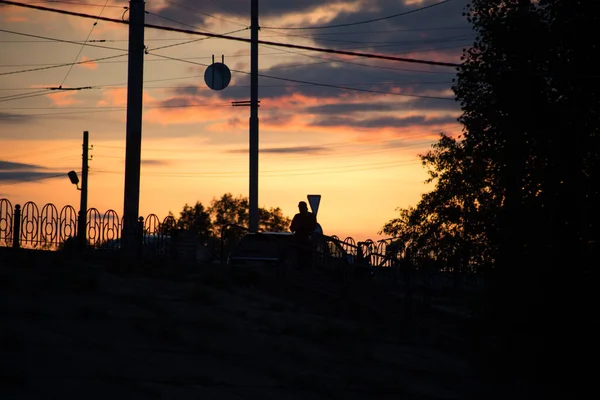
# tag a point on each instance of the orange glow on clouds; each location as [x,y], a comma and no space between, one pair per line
[117,97]
[63,98]
[91,65]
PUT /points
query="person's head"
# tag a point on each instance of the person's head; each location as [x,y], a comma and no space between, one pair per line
[302,206]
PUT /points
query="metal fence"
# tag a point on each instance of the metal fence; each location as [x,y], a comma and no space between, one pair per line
[49,228]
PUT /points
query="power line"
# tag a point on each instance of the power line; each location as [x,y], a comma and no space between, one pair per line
[374,83]
[324,50]
[337,60]
[278,173]
[74,3]
[362,22]
[357,32]
[61,40]
[60,65]
[193,41]
[24,95]
[208,15]
[82,46]
[316,83]
[390,43]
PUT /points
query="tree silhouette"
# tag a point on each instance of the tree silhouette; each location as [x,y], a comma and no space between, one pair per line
[519,190]
[227,210]
[196,219]
[234,210]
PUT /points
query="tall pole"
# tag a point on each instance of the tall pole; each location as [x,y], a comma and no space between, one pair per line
[133,148]
[254,115]
[82,220]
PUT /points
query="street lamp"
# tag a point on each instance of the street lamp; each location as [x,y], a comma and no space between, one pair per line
[74,179]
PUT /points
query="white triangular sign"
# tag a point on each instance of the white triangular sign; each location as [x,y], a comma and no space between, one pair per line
[314,200]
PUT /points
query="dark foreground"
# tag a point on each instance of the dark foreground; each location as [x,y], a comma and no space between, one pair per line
[75,328]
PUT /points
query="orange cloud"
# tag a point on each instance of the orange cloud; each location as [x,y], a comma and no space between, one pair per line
[117,97]
[13,14]
[88,65]
[63,98]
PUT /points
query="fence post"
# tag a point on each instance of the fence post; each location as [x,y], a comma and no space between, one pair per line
[139,242]
[17,227]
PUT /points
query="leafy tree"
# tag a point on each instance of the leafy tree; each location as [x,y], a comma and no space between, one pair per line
[234,210]
[520,188]
[195,218]
[450,223]
[523,179]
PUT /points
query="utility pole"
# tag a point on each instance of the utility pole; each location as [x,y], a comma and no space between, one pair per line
[133,149]
[253,116]
[82,220]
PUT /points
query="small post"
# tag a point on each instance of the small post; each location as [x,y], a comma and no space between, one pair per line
[17,227]
[82,218]
[140,232]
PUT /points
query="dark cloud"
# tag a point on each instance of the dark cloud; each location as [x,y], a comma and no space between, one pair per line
[27,176]
[441,27]
[155,163]
[382,122]
[287,150]
[9,166]
[325,80]
[318,75]
[20,172]
[12,118]
[348,108]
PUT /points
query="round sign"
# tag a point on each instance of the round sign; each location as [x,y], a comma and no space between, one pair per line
[217,76]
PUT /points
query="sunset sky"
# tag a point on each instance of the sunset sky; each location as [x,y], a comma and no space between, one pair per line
[357,148]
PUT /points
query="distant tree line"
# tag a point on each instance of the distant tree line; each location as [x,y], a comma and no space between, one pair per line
[225,210]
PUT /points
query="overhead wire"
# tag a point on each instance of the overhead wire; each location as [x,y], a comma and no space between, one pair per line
[74,3]
[83,45]
[387,43]
[317,83]
[205,14]
[362,22]
[277,173]
[24,95]
[61,40]
[333,51]
[342,61]
[193,41]
[359,32]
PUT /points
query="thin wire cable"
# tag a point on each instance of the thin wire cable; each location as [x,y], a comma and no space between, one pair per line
[362,22]
[342,61]
[62,40]
[358,32]
[16,96]
[333,51]
[387,43]
[319,84]
[273,173]
[177,22]
[193,41]
[206,14]
[74,3]
[60,65]
[83,45]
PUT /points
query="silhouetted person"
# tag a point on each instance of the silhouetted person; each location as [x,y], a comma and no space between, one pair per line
[303,224]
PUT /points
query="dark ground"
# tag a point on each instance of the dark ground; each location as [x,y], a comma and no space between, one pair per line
[73,327]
